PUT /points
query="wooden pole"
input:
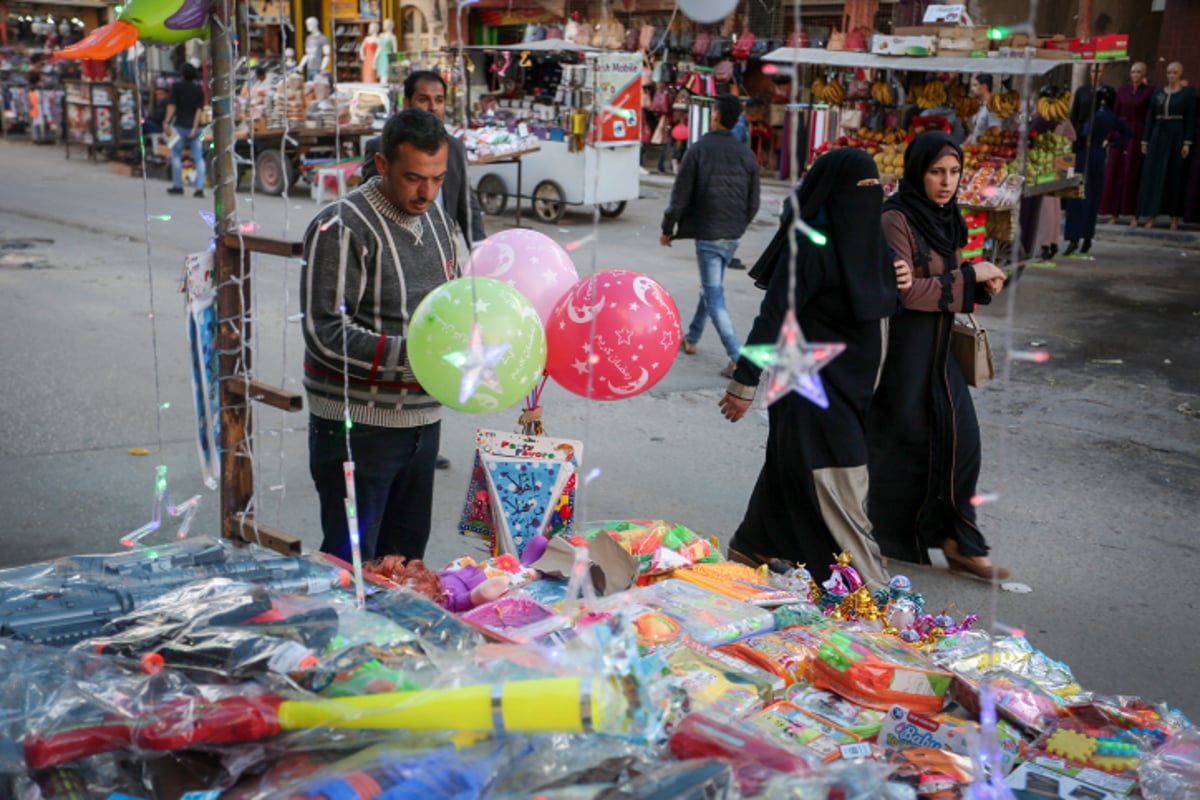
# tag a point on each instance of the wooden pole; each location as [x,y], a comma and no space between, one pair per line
[1083,25]
[232,278]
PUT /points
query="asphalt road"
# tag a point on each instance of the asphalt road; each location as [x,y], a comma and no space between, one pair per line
[1093,455]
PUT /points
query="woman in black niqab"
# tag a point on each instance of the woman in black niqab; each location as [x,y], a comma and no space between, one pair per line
[809,502]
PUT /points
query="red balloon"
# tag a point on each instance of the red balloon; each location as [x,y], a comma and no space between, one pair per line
[612,335]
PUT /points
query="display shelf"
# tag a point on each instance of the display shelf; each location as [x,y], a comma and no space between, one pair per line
[347,36]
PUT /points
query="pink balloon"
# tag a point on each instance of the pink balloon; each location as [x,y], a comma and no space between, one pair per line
[618,327]
[530,262]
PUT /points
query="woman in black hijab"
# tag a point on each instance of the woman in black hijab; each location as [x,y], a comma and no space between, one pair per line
[922,432]
[810,499]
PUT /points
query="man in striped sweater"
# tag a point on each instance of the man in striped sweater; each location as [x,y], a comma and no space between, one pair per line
[369,259]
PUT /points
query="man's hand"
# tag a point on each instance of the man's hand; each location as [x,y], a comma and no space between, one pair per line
[665,240]
[904,278]
[1145,148]
[733,408]
[1187,148]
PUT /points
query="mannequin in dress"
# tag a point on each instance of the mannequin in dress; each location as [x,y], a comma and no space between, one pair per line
[289,59]
[366,53]
[387,48]
[314,48]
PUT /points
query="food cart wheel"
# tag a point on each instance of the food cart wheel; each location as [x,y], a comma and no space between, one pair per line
[612,210]
[549,202]
[269,171]
[493,197]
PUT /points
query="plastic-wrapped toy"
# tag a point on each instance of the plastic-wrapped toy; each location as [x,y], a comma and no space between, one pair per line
[755,758]
[1172,772]
[658,547]
[708,617]
[863,722]
[797,729]
[904,728]
[879,671]
[738,581]
[704,679]
[518,618]
[789,653]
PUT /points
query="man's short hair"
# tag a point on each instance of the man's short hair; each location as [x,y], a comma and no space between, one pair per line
[188,72]
[754,102]
[421,76]
[985,79]
[421,129]
[729,108]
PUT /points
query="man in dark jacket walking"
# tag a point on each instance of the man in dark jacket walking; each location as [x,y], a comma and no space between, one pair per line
[714,200]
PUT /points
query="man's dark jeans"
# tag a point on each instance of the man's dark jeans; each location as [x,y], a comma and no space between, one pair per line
[393,481]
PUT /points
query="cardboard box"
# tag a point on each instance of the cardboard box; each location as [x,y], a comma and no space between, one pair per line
[1031,778]
[1054,54]
[1064,165]
[122,168]
[944,14]
[890,45]
[1112,41]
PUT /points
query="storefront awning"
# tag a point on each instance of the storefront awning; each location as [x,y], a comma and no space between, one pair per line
[852,59]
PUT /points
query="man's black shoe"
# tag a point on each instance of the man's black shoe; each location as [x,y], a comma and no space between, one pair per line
[442,462]
[735,263]
[175,190]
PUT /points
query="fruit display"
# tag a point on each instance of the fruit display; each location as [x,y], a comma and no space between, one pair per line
[881,93]
[931,95]
[830,93]
[988,185]
[1004,105]
[1054,110]
[995,145]
[1043,155]
[965,108]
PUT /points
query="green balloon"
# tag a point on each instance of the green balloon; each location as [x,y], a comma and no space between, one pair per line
[439,334]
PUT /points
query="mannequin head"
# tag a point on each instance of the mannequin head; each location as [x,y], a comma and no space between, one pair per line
[311,24]
[373,29]
[1174,74]
[289,55]
[1137,73]
[389,25]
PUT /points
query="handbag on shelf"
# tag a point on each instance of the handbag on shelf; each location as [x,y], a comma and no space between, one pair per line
[971,349]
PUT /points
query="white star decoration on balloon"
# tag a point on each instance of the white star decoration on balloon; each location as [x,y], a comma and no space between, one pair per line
[478,364]
[792,363]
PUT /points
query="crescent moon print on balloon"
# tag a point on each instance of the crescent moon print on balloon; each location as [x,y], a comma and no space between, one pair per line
[615,346]
[585,314]
[165,22]
[636,387]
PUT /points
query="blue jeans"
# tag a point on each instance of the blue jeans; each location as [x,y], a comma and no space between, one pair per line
[713,256]
[197,150]
[393,484]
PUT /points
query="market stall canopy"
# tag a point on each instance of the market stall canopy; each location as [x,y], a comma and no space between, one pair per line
[848,58]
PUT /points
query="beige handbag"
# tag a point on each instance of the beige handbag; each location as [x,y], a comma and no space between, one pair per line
[970,347]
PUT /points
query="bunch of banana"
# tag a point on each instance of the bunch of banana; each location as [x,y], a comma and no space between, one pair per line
[833,93]
[932,95]
[1004,105]
[882,93]
[958,91]
[966,107]
[1054,109]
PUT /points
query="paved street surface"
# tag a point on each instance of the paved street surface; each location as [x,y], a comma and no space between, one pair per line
[1093,456]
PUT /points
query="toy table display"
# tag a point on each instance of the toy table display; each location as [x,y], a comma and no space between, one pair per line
[122,666]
